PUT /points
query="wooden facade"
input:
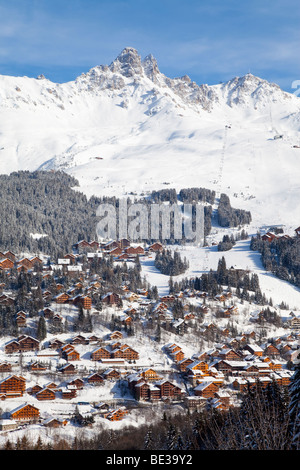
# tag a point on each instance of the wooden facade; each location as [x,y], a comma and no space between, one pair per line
[100,353]
[25,413]
[46,394]
[13,383]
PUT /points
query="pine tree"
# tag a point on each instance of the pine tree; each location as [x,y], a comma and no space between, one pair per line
[149,444]
[41,329]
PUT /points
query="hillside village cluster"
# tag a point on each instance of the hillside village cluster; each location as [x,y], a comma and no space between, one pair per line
[72,367]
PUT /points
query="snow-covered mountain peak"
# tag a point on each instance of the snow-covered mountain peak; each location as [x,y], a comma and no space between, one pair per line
[250,89]
[127,127]
[127,63]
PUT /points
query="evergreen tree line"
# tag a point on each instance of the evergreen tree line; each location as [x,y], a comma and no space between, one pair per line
[228,241]
[281,257]
[170,262]
[44,202]
[230,217]
[267,419]
[246,285]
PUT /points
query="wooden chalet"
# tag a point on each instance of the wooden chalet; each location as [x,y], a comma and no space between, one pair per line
[78,383]
[23,343]
[182,365]
[25,263]
[95,379]
[155,247]
[100,353]
[206,389]
[13,385]
[54,422]
[83,301]
[28,343]
[37,367]
[62,298]
[79,339]
[149,375]
[67,369]
[6,264]
[10,255]
[230,355]
[125,352]
[254,349]
[69,353]
[5,367]
[116,335]
[68,393]
[45,394]
[168,389]
[55,343]
[111,298]
[141,390]
[272,351]
[111,374]
[25,412]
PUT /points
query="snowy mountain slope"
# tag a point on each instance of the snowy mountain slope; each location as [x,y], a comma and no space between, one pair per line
[127,128]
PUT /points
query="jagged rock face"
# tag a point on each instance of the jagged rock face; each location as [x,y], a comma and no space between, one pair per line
[128,63]
[240,90]
[151,68]
[128,69]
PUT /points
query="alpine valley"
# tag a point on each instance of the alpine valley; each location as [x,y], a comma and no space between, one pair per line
[110,344]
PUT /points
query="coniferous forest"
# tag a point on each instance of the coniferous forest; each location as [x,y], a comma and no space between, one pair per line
[50,204]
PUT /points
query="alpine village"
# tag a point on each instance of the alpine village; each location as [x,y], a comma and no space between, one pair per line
[89,344]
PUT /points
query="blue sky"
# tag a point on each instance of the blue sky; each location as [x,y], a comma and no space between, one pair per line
[211,41]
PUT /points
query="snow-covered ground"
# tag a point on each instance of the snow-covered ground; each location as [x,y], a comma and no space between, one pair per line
[125,135]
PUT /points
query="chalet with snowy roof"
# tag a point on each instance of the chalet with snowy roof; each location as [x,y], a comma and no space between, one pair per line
[67,369]
[125,352]
[95,379]
[62,298]
[37,367]
[22,344]
[254,349]
[25,412]
[111,374]
[34,389]
[168,389]
[295,323]
[269,237]
[206,389]
[111,298]
[272,351]
[155,247]
[149,375]
[69,392]
[100,353]
[6,300]
[54,422]
[229,354]
[184,363]
[5,367]
[46,394]
[78,383]
[10,255]
[116,335]
[13,386]
[69,353]
[6,264]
